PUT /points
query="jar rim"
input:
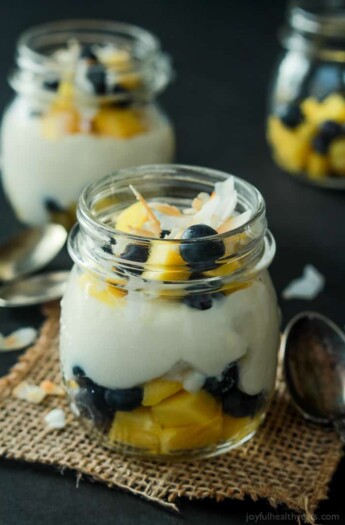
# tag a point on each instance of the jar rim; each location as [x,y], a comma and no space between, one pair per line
[71,26]
[35,46]
[124,175]
[99,247]
[318,18]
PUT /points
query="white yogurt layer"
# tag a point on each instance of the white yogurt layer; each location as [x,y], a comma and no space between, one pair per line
[141,339]
[36,168]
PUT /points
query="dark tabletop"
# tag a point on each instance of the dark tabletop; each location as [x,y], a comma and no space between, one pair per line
[223,54]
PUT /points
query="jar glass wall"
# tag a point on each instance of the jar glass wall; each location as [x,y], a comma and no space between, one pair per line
[160,357]
[85,105]
[306,121]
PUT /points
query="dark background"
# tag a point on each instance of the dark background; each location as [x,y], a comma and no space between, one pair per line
[223,53]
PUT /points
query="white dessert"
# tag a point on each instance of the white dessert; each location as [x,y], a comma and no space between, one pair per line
[137,339]
[36,168]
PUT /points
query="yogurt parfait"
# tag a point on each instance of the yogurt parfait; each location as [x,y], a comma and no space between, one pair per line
[84,106]
[170,325]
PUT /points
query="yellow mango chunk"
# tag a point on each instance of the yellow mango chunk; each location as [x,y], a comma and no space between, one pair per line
[290,146]
[168,263]
[118,123]
[158,389]
[59,122]
[238,427]
[337,156]
[130,81]
[136,428]
[317,165]
[186,408]
[191,436]
[331,108]
[107,293]
[134,216]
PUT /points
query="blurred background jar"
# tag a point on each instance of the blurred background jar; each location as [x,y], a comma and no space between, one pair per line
[84,107]
[306,122]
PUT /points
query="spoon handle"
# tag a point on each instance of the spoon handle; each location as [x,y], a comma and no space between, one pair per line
[339,426]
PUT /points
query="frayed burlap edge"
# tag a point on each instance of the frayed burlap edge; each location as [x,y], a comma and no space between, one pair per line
[288,462]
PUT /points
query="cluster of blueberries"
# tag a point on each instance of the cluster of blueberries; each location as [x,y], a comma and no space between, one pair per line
[199,256]
[99,404]
[291,116]
[96,74]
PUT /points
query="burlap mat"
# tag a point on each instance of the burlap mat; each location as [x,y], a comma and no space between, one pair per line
[288,462]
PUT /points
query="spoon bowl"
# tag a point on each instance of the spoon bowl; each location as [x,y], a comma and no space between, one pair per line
[37,289]
[30,250]
[314,366]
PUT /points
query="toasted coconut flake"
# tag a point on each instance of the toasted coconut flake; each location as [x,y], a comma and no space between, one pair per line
[200,200]
[235,222]
[142,232]
[18,339]
[55,419]
[28,392]
[307,287]
[155,224]
[167,209]
[51,388]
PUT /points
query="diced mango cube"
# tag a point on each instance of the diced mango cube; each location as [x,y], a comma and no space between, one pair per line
[191,436]
[317,165]
[134,216]
[290,146]
[186,408]
[158,389]
[119,123]
[136,428]
[168,263]
[59,122]
[331,108]
[337,156]
[107,293]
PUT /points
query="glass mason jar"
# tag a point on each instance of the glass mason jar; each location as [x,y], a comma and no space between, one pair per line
[84,106]
[159,357]
[306,122]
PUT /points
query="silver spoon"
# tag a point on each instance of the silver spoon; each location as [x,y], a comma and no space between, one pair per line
[314,366]
[36,289]
[30,251]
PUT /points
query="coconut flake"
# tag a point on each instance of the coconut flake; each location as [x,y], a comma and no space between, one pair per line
[51,389]
[55,419]
[193,381]
[308,286]
[28,392]
[18,339]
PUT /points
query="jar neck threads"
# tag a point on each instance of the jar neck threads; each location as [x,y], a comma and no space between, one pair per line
[36,62]
[98,247]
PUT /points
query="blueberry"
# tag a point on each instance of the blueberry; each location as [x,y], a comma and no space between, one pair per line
[291,116]
[198,301]
[239,404]
[164,233]
[97,76]
[78,371]
[320,144]
[52,206]
[123,398]
[107,248]
[201,253]
[136,253]
[87,53]
[219,386]
[330,129]
[51,84]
